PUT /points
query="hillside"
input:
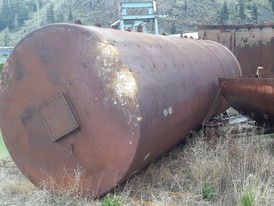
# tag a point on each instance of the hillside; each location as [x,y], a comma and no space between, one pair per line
[182,15]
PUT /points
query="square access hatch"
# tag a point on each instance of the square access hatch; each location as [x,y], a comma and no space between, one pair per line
[58,117]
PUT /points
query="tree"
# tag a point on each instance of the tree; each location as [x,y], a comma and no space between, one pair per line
[224,13]
[254,12]
[11,25]
[50,14]
[70,16]
[2,24]
[61,17]
[6,11]
[22,16]
[242,14]
[6,39]
[32,7]
[272,5]
[173,28]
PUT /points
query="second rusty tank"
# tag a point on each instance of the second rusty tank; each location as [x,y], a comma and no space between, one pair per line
[251,96]
[103,103]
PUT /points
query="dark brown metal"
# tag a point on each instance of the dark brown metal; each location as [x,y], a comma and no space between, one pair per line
[237,27]
[136,95]
[251,96]
[252,44]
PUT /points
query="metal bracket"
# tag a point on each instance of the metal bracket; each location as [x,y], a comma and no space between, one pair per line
[215,105]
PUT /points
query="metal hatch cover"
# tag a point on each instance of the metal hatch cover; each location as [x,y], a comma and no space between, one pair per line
[58,117]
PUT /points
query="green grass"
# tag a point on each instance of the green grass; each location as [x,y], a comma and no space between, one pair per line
[3,150]
[1,67]
[208,192]
[246,200]
[111,201]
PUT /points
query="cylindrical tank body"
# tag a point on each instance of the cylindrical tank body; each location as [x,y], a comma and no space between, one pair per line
[250,96]
[103,103]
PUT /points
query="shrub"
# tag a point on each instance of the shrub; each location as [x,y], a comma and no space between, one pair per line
[208,192]
[111,201]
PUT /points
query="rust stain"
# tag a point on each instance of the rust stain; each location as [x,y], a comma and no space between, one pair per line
[253,44]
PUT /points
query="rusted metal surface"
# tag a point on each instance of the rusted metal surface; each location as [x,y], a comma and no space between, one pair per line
[250,96]
[253,45]
[58,117]
[128,98]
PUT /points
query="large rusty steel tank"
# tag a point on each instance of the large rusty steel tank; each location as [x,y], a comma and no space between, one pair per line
[103,103]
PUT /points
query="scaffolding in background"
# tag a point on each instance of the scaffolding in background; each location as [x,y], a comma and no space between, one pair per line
[137,22]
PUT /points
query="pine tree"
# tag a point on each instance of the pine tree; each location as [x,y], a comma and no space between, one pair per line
[2,23]
[22,16]
[6,39]
[224,13]
[11,25]
[61,17]
[50,14]
[254,12]
[70,16]
[173,28]
[5,13]
[242,14]
[13,13]
[272,5]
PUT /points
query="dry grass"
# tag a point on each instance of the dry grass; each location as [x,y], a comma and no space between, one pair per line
[236,169]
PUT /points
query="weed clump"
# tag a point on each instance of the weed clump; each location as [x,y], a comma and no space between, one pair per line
[208,192]
[111,201]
